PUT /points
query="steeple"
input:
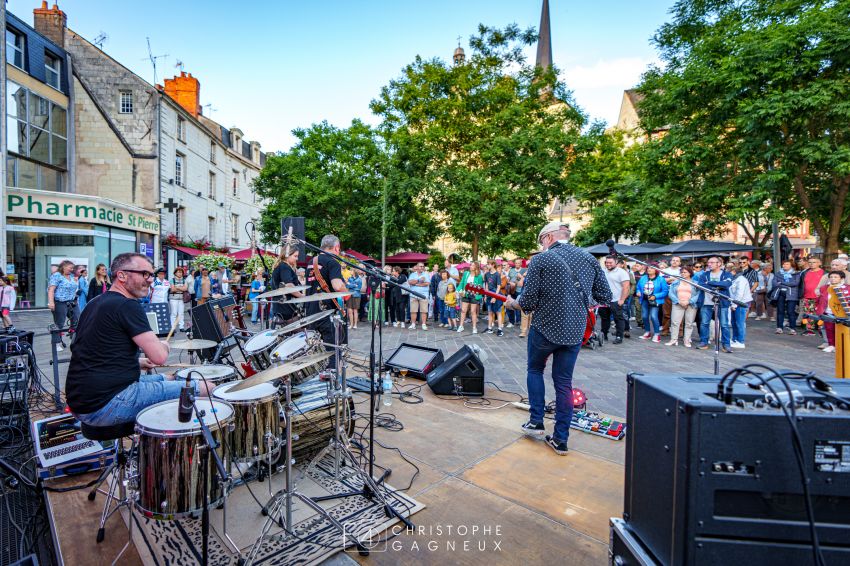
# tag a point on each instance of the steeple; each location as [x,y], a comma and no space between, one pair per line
[459,56]
[544,41]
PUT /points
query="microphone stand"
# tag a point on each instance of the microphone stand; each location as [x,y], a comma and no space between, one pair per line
[252,234]
[715,293]
[375,276]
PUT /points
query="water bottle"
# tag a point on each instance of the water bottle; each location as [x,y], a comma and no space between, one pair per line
[387,387]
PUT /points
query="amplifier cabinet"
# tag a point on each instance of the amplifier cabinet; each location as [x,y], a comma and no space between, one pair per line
[701,473]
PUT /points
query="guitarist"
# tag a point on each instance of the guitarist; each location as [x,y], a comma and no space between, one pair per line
[561,284]
[326,277]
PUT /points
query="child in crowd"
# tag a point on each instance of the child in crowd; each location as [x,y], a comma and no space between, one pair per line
[451,305]
[8,298]
[836,279]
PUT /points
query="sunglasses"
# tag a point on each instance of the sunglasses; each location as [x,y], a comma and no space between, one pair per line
[144,274]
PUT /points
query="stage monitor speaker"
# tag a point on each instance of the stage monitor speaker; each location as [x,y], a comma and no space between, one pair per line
[461,374]
[417,360]
[297,223]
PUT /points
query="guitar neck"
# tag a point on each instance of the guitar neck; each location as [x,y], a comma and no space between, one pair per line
[482,291]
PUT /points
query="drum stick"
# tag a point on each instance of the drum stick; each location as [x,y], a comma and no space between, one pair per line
[171,332]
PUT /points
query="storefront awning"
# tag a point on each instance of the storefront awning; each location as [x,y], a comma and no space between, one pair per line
[188,251]
[246,254]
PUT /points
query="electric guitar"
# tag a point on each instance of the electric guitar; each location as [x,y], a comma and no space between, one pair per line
[591,312]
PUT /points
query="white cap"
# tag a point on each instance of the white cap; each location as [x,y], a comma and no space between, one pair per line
[554,226]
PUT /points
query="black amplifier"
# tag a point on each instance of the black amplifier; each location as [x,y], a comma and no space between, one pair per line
[710,483]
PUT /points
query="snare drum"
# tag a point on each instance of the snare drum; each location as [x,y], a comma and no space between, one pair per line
[212,373]
[313,419]
[259,347]
[296,346]
[256,420]
[170,478]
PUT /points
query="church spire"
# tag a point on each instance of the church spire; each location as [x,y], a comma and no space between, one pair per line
[544,41]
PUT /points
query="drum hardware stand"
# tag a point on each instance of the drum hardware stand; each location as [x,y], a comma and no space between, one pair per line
[281,502]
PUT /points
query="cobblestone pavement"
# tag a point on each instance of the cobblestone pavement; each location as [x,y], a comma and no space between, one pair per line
[600,373]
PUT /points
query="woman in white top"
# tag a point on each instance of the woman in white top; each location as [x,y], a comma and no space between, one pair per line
[175,298]
[160,287]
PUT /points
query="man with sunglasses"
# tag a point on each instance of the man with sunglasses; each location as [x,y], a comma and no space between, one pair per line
[105,386]
[561,283]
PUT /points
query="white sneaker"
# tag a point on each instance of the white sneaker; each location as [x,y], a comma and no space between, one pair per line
[751,315]
[763,317]
[424,327]
[460,328]
[829,349]
[738,345]
[412,326]
[509,325]
[474,330]
[822,345]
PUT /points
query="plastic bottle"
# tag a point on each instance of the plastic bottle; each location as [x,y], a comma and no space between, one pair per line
[388,390]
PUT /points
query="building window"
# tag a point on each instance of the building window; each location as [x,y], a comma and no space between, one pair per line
[235,188]
[212,152]
[180,170]
[234,228]
[36,128]
[15,49]
[211,189]
[181,129]
[179,222]
[126,106]
[52,70]
[211,228]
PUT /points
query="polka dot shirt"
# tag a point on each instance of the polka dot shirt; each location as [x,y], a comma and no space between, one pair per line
[550,293]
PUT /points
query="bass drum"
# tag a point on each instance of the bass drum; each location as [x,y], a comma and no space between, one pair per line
[313,419]
[170,478]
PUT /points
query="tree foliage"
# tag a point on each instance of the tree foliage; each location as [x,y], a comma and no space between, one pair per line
[483,143]
[335,179]
[753,101]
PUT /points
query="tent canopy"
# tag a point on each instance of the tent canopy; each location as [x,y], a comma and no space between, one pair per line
[245,254]
[602,249]
[362,257]
[702,247]
[407,257]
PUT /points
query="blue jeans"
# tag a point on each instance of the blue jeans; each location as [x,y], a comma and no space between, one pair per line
[650,315]
[123,408]
[739,324]
[441,310]
[563,362]
[706,314]
[786,309]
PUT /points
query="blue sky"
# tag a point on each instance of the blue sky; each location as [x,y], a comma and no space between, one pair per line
[272,66]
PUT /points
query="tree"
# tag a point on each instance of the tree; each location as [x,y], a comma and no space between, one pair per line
[484,142]
[753,96]
[335,179]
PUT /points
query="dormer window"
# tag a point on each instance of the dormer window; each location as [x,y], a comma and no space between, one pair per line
[52,70]
[15,49]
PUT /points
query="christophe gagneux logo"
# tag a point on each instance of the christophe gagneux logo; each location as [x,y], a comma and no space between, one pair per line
[450,537]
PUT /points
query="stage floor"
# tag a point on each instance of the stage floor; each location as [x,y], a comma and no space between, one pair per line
[491,495]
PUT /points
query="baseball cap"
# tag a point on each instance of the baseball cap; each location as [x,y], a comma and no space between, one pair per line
[553,226]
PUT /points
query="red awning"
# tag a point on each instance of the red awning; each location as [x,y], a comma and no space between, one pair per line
[245,254]
[407,257]
[188,251]
[359,256]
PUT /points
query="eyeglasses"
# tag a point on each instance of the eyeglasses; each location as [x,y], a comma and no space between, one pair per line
[144,274]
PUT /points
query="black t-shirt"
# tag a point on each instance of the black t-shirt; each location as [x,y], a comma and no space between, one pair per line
[330,270]
[282,275]
[492,281]
[104,358]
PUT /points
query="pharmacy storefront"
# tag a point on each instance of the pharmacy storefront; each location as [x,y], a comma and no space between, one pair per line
[44,228]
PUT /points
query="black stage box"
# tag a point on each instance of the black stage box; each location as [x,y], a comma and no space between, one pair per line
[710,483]
[417,360]
[461,374]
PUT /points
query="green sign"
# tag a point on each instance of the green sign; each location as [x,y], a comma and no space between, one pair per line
[26,203]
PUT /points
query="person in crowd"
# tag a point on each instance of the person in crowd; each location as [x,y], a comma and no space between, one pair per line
[764,284]
[802,264]
[717,278]
[809,284]
[493,282]
[788,283]
[83,281]
[627,306]
[99,284]
[751,270]
[258,287]
[105,386]
[396,297]
[525,318]
[190,284]
[836,279]
[160,287]
[346,271]
[639,271]
[62,290]
[223,276]
[469,301]
[354,284]
[8,298]
[302,276]
[675,268]
[618,280]
[419,281]
[652,290]
[561,283]
[838,264]
[739,291]
[205,286]
[434,283]
[450,305]
[442,289]
[684,298]
[236,285]
[513,315]
[175,298]
[284,274]
[453,272]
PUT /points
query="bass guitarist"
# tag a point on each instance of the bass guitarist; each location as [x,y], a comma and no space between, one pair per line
[561,284]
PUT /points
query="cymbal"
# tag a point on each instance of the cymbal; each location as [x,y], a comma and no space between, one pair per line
[307,320]
[282,291]
[193,344]
[278,372]
[318,297]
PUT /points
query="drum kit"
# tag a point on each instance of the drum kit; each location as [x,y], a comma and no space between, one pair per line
[292,407]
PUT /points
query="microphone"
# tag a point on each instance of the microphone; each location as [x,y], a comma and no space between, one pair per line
[611,250]
[184,405]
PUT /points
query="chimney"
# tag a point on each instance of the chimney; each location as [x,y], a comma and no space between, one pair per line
[186,91]
[50,22]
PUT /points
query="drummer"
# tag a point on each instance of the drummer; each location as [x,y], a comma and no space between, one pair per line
[329,280]
[105,386]
[284,274]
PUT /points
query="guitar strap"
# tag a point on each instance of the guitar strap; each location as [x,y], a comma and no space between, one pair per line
[317,273]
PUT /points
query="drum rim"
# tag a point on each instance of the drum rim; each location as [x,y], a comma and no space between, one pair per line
[268,333]
[185,371]
[213,423]
[307,344]
[258,400]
